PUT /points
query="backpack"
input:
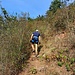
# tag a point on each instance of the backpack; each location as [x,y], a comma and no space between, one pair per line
[35,38]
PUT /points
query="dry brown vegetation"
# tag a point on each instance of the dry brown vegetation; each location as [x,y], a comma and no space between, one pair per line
[57,47]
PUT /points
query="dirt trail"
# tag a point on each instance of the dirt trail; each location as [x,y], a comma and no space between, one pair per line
[40,66]
[35,66]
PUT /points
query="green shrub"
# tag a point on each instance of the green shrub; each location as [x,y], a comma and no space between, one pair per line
[60,64]
[67,67]
[72,60]
[33,71]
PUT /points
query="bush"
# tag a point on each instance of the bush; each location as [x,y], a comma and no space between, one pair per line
[33,71]
[72,60]
[67,67]
[14,47]
[60,64]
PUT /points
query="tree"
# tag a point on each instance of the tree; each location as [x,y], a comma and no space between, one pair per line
[40,17]
[56,4]
[4,12]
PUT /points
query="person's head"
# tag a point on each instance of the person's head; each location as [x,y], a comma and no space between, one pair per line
[36,30]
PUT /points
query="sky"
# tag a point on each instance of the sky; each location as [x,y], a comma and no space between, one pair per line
[33,7]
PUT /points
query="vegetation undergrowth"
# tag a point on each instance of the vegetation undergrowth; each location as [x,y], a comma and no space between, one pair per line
[15,33]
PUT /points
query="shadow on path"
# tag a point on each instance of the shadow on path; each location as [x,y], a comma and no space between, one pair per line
[39,48]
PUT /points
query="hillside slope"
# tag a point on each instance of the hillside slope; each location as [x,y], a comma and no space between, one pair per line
[57,48]
[52,58]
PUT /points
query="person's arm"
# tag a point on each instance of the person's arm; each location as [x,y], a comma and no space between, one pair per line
[39,39]
[31,37]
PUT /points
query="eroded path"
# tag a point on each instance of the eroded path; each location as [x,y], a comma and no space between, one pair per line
[35,66]
[41,66]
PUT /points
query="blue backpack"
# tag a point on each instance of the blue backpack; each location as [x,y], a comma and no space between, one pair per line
[35,38]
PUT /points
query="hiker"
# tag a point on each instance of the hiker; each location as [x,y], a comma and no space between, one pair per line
[35,40]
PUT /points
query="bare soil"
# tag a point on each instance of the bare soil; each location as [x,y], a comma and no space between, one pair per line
[41,66]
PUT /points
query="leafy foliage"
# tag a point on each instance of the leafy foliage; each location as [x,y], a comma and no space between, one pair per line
[56,4]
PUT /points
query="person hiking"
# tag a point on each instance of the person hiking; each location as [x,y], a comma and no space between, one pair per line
[35,40]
